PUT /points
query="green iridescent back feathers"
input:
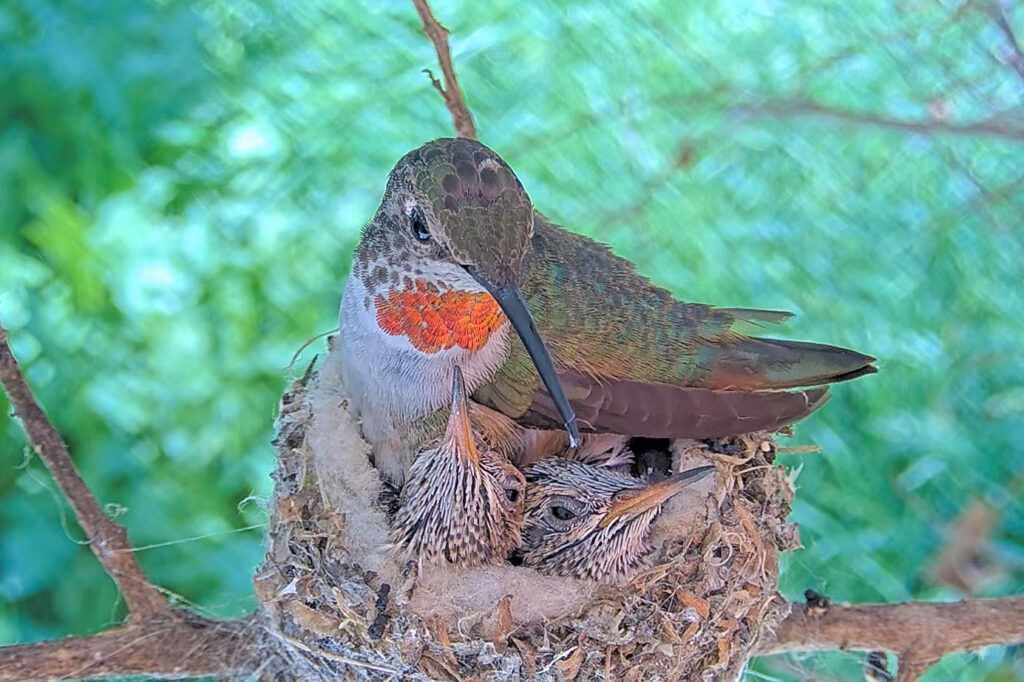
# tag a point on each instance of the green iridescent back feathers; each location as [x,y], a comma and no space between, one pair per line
[602,320]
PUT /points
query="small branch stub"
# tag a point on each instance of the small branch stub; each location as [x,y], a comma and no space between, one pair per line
[450,91]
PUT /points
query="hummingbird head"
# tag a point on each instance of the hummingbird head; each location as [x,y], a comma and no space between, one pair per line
[454,210]
[585,521]
[454,223]
[462,502]
[473,206]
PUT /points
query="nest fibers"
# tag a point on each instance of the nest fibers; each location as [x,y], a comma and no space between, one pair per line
[338,607]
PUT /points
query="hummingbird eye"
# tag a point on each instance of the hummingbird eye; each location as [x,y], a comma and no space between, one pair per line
[562,513]
[419,225]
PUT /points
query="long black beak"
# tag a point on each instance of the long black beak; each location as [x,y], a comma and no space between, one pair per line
[512,303]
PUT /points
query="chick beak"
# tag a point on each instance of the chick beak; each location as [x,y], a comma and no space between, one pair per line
[513,305]
[654,495]
[459,434]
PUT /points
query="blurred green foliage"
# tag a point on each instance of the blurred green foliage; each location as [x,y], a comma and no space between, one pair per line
[182,184]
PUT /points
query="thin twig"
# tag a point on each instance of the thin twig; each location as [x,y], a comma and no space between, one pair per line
[1016,57]
[987,128]
[306,344]
[800,450]
[108,540]
[451,93]
[918,633]
[171,645]
[355,663]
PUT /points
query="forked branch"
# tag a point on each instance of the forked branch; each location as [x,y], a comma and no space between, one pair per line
[108,540]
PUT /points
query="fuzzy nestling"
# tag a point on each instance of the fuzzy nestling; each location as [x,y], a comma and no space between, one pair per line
[462,503]
[585,521]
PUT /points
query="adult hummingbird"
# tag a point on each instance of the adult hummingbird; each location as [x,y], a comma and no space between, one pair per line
[585,521]
[462,502]
[457,268]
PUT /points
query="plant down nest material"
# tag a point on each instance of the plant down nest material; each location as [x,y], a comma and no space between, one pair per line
[335,605]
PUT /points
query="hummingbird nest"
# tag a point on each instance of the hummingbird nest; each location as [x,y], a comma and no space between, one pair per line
[337,606]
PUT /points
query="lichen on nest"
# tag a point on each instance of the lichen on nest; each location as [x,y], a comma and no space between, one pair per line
[338,606]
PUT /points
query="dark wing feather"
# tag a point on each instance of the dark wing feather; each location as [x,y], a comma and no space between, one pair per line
[664,411]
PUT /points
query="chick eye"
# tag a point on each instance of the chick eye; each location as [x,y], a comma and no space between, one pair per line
[419,225]
[562,513]
[512,494]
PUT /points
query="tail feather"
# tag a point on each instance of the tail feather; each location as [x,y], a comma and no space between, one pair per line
[771,364]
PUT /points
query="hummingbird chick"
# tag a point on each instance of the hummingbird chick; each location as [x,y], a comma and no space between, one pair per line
[462,502]
[584,521]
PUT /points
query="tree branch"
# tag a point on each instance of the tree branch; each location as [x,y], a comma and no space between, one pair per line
[451,93]
[987,128]
[172,645]
[919,633]
[108,540]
